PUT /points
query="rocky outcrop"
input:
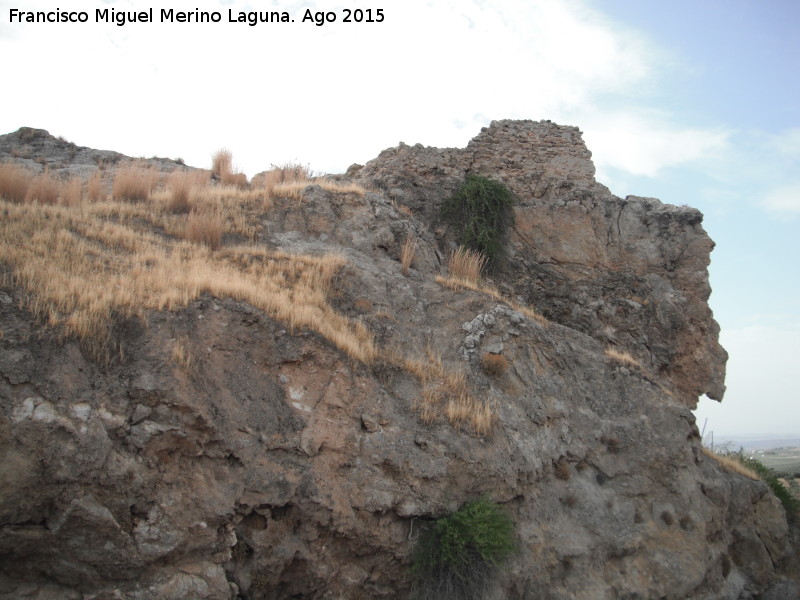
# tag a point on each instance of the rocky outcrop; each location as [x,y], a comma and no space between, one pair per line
[37,150]
[632,273]
[271,465]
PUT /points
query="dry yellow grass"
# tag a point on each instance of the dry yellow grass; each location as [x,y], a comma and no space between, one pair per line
[180,189]
[454,283]
[288,173]
[44,189]
[133,183]
[341,188]
[222,169]
[81,270]
[221,162]
[731,464]
[295,189]
[95,188]
[466,265]
[206,227]
[494,364]
[239,209]
[407,253]
[72,192]
[86,264]
[14,182]
[623,357]
[446,393]
[235,179]
[181,353]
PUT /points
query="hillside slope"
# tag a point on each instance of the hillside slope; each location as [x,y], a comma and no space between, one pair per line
[279,414]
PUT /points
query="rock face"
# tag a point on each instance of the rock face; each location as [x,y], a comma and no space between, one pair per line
[273,466]
[37,150]
[630,273]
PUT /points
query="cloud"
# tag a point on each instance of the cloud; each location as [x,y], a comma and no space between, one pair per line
[778,161]
[644,144]
[787,143]
[433,72]
[783,200]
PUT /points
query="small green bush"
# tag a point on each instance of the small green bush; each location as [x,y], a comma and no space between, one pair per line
[457,556]
[790,503]
[481,212]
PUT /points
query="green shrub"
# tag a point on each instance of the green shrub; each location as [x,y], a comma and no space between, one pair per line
[790,503]
[458,554]
[480,212]
[754,468]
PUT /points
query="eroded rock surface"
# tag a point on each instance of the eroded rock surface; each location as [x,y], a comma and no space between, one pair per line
[273,466]
[630,272]
[38,150]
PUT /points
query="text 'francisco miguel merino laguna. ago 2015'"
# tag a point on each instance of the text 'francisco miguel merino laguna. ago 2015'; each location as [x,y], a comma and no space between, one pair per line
[170,15]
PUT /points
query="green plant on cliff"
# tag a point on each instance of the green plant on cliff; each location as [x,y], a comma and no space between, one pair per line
[481,212]
[756,469]
[457,555]
[790,503]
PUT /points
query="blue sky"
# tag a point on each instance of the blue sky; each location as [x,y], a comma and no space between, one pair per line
[691,102]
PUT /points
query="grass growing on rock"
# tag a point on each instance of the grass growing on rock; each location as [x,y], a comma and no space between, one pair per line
[755,469]
[446,393]
[457,283]
[83,269]
[480,212]
[456,557]
[407,253]
[133,240]
[622,357]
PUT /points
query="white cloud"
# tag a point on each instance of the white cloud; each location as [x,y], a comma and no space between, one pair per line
[433,72]
[784,200]
[642,143]
[787,143]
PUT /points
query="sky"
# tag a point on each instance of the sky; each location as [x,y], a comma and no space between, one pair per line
[692,102]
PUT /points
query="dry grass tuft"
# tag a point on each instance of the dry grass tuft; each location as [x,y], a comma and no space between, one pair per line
[181,354]
[466,265]
[622,357]
[180,189]
[457,284]
[133,183]
[295,189]
[221,163]
[222,169]
[407,253]
[238,180]
[206,227]
[731,464]
[341,188]
[494,364]
[14,183]
[72,192]
[95,190]
[288,173]
[292,189]
[446,393]
[43,190]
